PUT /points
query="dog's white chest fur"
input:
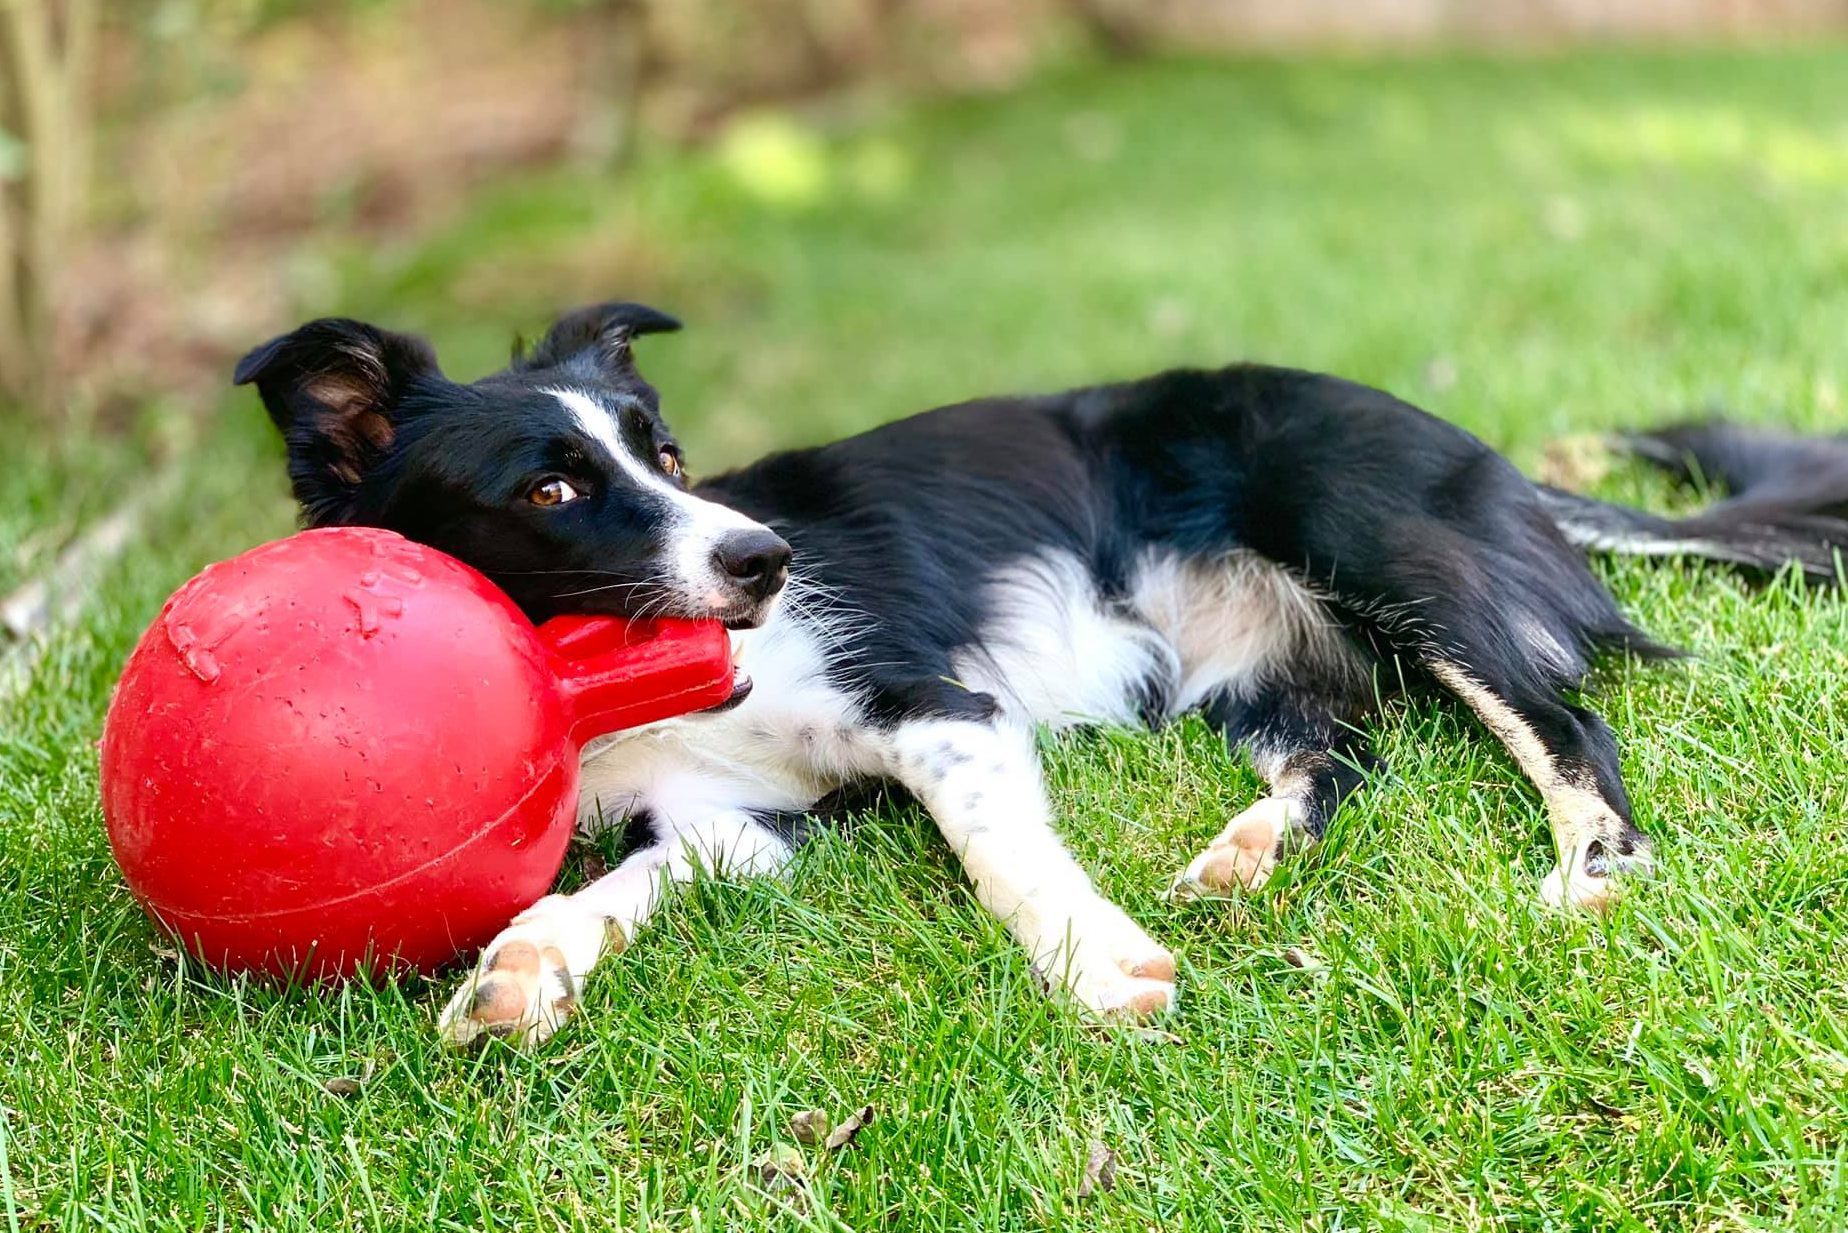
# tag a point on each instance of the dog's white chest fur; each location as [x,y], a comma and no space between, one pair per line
[794,740]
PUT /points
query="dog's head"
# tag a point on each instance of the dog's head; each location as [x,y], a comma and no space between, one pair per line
[557,477]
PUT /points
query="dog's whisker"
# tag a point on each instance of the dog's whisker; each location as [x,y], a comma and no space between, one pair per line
[654,582]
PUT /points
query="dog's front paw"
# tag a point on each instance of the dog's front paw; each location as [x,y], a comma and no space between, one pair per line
[1112,968]
[526,984]
[522,991]
[1244,854]
[1120,996]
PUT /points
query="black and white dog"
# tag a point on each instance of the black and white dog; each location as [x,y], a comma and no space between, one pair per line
[1275,549]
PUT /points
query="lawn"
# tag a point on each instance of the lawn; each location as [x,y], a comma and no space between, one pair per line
[1531,247]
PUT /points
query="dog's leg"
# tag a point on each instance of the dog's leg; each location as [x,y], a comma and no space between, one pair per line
[1309,755]
[1571,756]
[981,782]
[528,978]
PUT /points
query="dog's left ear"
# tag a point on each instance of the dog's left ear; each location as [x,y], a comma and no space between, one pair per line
[594,341]
[334,387]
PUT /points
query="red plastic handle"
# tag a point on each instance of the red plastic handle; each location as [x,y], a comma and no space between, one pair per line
[622,674]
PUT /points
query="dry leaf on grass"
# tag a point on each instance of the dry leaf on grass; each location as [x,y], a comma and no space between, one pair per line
[843,1135]
[811,1126]
[1099,1171]
[781,1168]
[1577,461]
[594,865]
[1299,957]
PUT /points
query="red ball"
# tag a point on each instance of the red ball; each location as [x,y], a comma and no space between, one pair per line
[343,750]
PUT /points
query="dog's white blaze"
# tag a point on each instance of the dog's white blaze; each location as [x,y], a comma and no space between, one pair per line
[699,525]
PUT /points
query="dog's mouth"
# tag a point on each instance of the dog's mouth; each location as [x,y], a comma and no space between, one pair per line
[741,685]
[741,689]
[748,612]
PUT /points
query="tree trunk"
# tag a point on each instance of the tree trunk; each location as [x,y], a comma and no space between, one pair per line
[46,48]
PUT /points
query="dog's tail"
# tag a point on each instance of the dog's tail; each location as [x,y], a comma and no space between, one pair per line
[1787,502]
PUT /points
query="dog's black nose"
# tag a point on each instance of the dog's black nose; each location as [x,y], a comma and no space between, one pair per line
[758,561]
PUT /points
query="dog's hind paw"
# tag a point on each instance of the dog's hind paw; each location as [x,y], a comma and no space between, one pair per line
[1594,880]
[1244,854]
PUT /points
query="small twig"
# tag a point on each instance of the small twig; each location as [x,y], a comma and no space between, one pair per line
[62,592]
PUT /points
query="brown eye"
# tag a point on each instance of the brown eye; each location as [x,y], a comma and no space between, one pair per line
[552,492]
[670,462]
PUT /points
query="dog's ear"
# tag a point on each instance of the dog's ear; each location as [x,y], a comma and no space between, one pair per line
[595,341]
[333,387]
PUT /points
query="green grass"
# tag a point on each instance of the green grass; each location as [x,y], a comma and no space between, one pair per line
[1530,247]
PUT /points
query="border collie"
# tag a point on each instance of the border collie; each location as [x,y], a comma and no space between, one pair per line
[1278,550]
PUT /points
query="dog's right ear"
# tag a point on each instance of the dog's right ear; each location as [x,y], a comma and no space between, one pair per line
[596,340]
[333,387]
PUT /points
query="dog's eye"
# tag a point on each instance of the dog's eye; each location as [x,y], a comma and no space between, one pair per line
[553,491]
[670,461]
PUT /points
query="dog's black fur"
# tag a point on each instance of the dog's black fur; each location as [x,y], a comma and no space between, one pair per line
[1424,540]
[1438,560]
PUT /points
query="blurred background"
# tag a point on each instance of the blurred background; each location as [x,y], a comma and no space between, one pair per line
[863,207]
